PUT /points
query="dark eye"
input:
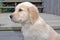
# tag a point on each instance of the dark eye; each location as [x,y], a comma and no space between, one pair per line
[20,9]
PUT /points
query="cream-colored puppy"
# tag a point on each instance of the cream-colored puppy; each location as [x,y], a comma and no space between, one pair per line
[33,26]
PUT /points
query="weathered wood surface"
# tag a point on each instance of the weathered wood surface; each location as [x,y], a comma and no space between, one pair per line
[6,24]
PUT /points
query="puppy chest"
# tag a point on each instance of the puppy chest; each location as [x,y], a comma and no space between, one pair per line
[30,36]
[35,35]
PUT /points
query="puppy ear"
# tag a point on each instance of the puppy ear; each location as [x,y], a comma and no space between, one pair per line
[33,14]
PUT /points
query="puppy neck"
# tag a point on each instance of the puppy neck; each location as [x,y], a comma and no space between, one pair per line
[26,24]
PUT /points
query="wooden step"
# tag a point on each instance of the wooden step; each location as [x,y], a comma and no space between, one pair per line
[6,24]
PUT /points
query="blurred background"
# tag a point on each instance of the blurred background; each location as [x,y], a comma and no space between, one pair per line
[49,11]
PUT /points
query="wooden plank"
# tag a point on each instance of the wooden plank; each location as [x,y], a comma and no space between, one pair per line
[22,0]
[10,28]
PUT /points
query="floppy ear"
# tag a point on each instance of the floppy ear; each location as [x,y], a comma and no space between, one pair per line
[33,14]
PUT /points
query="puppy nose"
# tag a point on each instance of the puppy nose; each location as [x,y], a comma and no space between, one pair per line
[11,16]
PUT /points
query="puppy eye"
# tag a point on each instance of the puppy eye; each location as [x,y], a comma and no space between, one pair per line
[20,9]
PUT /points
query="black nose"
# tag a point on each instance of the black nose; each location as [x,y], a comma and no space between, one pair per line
[11,16]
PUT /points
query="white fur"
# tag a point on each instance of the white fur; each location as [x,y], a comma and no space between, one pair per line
[39,30]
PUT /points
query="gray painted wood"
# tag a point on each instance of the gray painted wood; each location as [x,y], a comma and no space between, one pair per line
[52,6]
[11,35]
[21,0]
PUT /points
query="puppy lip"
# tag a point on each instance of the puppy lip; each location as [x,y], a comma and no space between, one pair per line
[14,21]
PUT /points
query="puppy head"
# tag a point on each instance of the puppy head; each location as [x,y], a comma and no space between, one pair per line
[23,12]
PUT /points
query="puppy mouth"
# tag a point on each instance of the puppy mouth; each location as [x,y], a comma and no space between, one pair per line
[14,20]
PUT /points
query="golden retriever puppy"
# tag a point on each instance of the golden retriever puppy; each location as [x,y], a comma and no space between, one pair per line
[33,26]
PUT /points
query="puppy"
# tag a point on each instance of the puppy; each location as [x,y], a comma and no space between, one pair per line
[33,26]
